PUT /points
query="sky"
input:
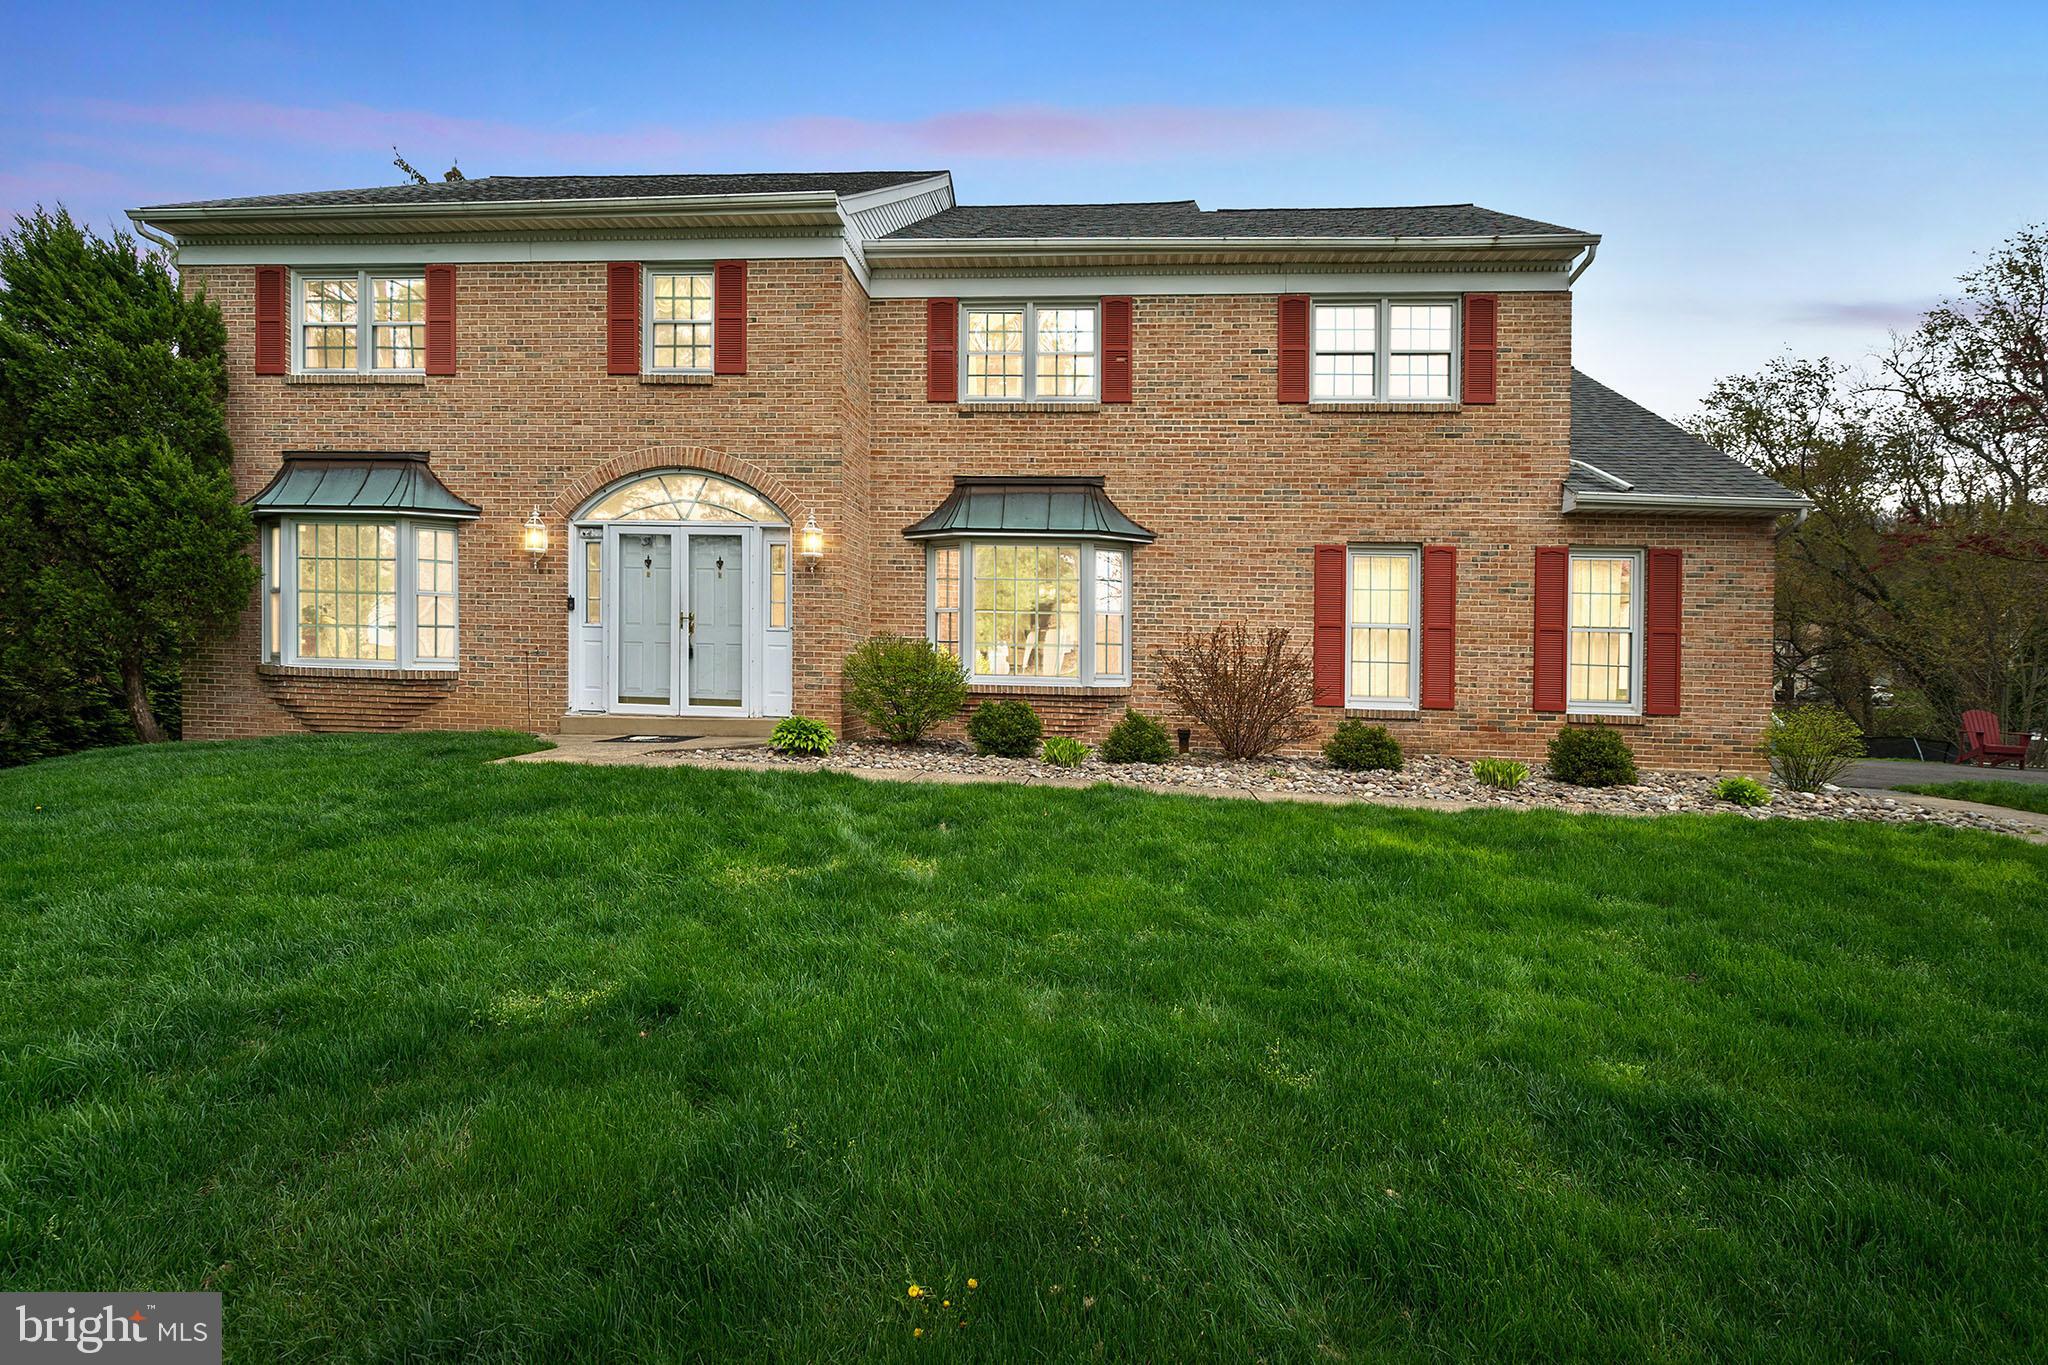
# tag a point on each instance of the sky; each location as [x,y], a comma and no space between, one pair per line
[1767,178]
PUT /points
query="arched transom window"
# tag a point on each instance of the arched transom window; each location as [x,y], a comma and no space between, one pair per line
[679,496]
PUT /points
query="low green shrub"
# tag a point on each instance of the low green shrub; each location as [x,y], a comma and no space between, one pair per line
[1811,746]
[1064,751]
[1137,739]
[1505,773]
[904,687]
[801,735]
[1007,729]
[1357,747]
[1743,791]
[1592,756]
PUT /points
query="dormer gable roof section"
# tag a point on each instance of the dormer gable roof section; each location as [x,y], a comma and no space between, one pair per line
[1176,246]
[558,218]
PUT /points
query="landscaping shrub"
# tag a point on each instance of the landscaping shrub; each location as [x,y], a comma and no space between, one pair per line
[801,735]
[1137,739]
[1505,773]
[1252,698]
[1743,791]
[1592,756]
[1357,746]
[904,687]
[1008,729]
[1811,746]
[1064,751]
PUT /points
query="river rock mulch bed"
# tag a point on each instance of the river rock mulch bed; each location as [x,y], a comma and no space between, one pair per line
[1424,778]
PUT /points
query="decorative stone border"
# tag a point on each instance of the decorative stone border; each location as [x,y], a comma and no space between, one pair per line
[1426,780]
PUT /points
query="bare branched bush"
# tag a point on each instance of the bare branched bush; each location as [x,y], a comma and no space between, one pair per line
[1253,697]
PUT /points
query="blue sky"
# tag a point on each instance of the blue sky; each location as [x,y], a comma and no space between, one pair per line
[1767,177]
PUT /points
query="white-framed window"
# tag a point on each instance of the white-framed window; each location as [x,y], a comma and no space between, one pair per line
[1051,611]
[1014,352]
[678,313]
[360,592]
[1604,667]
[593,582]
[1383,350]
[1383,607]
[778,585]
[360,321]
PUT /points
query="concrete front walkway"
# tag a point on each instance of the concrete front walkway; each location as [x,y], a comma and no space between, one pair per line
[1884,774]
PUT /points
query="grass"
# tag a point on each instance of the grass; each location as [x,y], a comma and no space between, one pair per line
[2013,795]
[414,1057]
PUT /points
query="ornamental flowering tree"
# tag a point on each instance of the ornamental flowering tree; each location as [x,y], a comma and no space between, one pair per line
[121,540]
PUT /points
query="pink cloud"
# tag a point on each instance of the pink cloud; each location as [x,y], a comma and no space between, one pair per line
[1019,133]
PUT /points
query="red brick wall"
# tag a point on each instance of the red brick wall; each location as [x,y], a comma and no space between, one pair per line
[1239,487]
[831,421]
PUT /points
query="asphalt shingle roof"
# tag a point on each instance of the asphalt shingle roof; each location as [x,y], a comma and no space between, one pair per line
[1630,442]
[503,189]
[1185,218]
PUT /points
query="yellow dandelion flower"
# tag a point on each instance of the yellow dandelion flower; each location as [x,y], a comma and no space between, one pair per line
[974,1284]
[917,1331]
[917,1291]
[945,1303]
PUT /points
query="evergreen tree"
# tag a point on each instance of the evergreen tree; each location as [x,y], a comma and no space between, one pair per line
[121,541]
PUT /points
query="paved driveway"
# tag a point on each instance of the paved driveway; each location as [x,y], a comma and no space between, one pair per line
[1890,772]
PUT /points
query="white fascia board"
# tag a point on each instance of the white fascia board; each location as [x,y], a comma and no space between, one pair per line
[971,247]
[377,251]
[850,204]
[1220,280]
[1582,500]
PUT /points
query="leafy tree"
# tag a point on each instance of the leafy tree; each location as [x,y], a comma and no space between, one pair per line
[1921,579]
[122,539]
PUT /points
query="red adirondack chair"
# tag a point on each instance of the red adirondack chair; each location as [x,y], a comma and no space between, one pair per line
[1983,746]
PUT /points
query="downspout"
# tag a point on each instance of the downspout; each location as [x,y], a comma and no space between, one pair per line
[1580,269]
[143,229]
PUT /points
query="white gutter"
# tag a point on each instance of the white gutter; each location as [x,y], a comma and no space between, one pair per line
[1578,500]
[1015,246]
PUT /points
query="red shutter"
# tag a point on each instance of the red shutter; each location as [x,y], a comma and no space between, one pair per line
[1116,350]
[273,346]
[622,317]
[1482,348]
[1294,348]
[942,350]
[729,317]
[1553,574]
[1663,607]
[1439,627]
[440,319]
[1329,625]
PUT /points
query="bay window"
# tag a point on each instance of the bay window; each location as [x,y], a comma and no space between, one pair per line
[1605,631]
[1029,351]
[1055,612]
[1392,350]
[353,592]
[361,321]
[1381,621]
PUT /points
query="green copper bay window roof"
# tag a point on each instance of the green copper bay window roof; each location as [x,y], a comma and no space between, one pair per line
[1036,507]
[361,483]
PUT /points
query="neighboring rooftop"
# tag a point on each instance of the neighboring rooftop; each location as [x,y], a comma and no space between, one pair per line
[1185,218]
[1647,460]
[509,189]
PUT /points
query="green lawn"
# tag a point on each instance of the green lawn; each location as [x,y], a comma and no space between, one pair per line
[414,1057]
[2016,795]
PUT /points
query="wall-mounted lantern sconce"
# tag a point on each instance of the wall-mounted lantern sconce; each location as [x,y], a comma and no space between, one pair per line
[534,536]
[811,542]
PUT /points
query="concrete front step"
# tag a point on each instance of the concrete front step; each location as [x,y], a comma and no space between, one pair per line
[707,727]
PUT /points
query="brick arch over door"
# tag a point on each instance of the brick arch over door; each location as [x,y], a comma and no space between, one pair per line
[588,484]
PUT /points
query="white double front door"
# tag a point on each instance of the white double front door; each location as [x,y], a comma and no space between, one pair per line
[679,620]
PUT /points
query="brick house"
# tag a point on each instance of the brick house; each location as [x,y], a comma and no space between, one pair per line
[577,452]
